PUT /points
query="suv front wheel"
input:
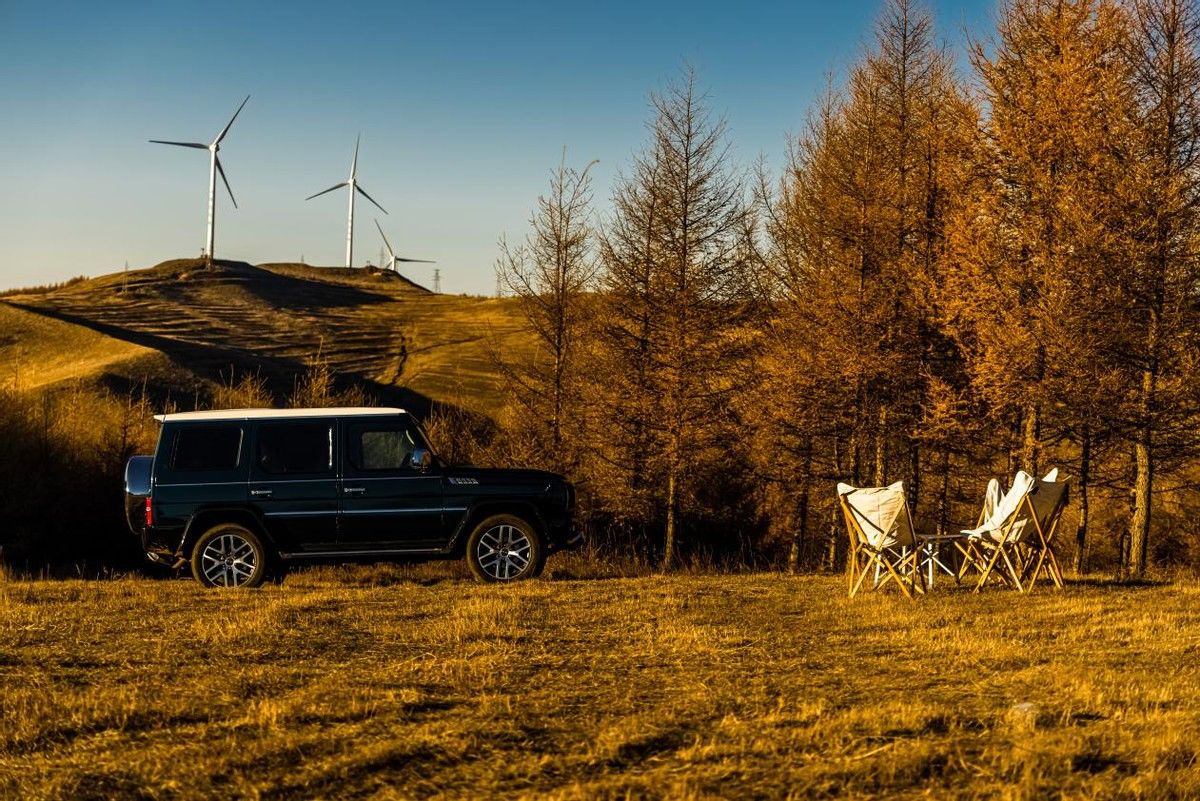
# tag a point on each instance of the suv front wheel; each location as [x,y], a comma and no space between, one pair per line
[505,548]
[229,555]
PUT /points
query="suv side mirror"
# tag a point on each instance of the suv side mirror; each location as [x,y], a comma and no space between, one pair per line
[422,459]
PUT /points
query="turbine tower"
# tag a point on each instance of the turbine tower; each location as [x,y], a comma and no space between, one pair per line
[351,182]
[393,258]
[214,167]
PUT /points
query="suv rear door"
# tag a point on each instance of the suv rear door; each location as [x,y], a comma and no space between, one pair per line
[388,504]
[294,484]
[199,465]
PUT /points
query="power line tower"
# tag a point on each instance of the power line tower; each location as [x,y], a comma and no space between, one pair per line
[437,281]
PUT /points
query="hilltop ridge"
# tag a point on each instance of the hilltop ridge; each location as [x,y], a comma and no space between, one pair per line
[179,327]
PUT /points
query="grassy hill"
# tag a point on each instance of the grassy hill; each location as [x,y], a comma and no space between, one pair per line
[180,328]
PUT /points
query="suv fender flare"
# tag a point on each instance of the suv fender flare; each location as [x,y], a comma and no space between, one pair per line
[488,507]
[202,519]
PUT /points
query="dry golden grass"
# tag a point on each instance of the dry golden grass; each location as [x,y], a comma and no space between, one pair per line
[36,351]
[395,682]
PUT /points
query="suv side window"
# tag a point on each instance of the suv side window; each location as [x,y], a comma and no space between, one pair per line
[382,446]
[292,448]
[206,448]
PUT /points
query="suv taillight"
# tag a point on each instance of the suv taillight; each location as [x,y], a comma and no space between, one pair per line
[149,513]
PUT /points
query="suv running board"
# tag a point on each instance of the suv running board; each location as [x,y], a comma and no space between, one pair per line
[383,552]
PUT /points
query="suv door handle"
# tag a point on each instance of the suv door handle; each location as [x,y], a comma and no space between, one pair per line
[266,493]
[354,490]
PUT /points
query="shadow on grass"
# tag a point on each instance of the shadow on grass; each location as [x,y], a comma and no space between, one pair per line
[1115,583]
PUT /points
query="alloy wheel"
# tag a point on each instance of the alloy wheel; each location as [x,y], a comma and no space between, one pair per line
[504,552]
[229,560]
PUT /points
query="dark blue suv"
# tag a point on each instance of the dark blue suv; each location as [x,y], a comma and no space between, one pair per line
[240,494]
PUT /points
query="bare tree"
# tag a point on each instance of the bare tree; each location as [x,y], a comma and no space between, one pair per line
[550,273]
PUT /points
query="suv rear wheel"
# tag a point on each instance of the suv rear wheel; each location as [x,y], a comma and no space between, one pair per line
[505,548]
[229,555]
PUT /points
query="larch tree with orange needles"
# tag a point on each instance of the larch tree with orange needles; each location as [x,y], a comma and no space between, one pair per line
[678,263]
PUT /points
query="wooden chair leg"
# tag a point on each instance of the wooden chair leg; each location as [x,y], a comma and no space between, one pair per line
[972,558]
[988,570]
[851,571]
[862,575]
[1053,568]
[964,561]
[1012,568]
[1036,568]
[899,579]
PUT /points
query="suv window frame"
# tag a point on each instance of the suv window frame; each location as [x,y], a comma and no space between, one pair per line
[352,430]
[263,474]
[219,426]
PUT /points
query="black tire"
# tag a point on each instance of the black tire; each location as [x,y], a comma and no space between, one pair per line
[230,555]
[504,548]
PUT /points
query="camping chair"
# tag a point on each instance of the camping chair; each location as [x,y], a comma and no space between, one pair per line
[1047,500]
[1012,540]
[881,537]
[970,552]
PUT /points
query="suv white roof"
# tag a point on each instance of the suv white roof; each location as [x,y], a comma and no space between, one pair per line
[275,414]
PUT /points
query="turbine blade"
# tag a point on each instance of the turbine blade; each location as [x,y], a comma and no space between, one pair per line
[354,161]
[368,197]
[225,180]
[330,189]
[180,144]
[229,124]
[385,241]
[417,261]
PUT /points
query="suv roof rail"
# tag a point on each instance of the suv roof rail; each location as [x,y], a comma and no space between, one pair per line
[271,414]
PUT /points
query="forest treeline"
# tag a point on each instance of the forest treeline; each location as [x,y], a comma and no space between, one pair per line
[964,269]
[956,276]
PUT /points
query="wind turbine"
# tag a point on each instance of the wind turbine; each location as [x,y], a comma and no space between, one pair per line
[214,167]
[393,258]
[351,182]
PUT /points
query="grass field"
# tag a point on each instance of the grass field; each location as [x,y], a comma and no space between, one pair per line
[411,682]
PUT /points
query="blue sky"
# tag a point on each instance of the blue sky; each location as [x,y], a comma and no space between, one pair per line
[463,108]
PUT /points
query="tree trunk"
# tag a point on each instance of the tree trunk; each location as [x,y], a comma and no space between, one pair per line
[881,449]
[1085,459]
[837,532]
[914,477]
[1139,521]
[1123,537]
[801,530]
[1014,450]
[1031,439]
[944,495]
[1143,481]
[669,549]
